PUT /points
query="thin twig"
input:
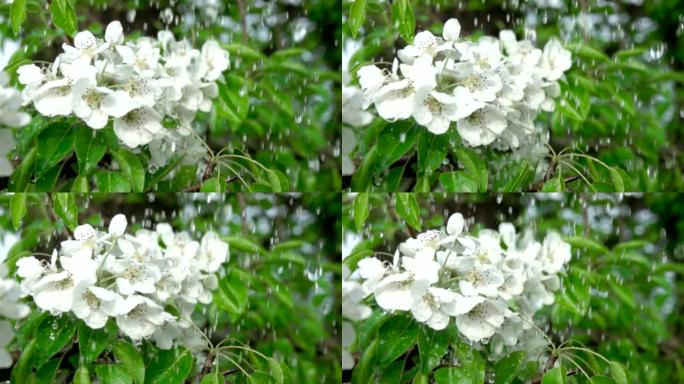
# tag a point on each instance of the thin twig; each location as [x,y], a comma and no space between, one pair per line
[243,20]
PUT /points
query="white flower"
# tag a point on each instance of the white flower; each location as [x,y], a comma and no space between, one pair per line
[353,104]
[437,110]
[396,99]
[94,305]
[427,44]
[30,270]
[144,59]
[136,277]
[452,30]
[482,280]
[6,335]
[348,338]
[434,306]
[372,271]
[371,78]
[555,60]
[555,253]
[114,33]
[85,48]
[55,291]
[30,74]
[138,127]
[215,58]
[352,295]
[140,317]
[348,145]
[95,104]
[482,127]
[10,102]
[394,292]
[213,252]
[482,321]
[424,243]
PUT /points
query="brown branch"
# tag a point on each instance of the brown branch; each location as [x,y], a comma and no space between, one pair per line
[208,172]
[243,21]
[550,171]
[207,365]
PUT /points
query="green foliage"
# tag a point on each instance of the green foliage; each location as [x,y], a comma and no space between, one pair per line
[273,126]
[610,131]
[283,265]
[615,319]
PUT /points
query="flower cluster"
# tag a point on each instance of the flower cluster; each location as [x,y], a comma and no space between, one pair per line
[132,278]
[493,88]
[492,283]
[10,116]
[10,308]
[137,83]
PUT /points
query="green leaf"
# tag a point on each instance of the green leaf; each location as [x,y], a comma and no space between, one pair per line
[453,376]
[82,376]
[617,180]
[80,185]
[407,209]
[587,52]
[113,374]
[169,367]
[90,148]
[231,294]
[363,372]
[458,181]
[394,141]
[276,371]
[46,373]
[404,19]
[92,342]
[214,184]
[432,150]
[234,98]
[274,180]
[583,242]
[66,209]
[362,178]
[22,174]
[432,346]
[131,167]
[64,16]
[475,166]
[244,51]
[617,373]
[507,368]
[554,376]
[22,368]
[625,295]
[17,15]
[357,14]
[243,244]
[54,143]
[53,334]
[17,208]
[567,108]
[213,377]
[555,184]
[521,174]
[360,210]
[393,373]
[130,359]
[396,336]
[111,182]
